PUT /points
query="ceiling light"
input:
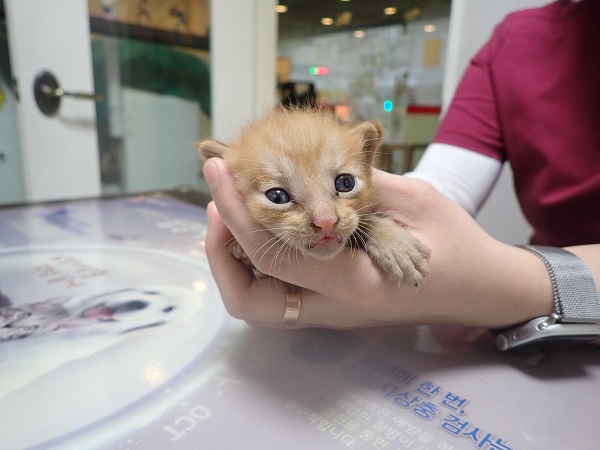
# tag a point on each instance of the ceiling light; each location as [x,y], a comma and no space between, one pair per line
[327,21]
[359,34]
[390,11]
[281,8]
[429,28]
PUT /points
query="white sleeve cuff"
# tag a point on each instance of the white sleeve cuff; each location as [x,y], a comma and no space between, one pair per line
[462,175]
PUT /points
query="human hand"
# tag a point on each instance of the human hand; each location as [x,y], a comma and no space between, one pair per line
[474,280]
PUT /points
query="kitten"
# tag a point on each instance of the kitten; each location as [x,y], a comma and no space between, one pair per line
[306,177]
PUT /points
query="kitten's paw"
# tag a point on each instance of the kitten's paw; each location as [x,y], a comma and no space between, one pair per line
[404,260]
[398,253]
[417,269]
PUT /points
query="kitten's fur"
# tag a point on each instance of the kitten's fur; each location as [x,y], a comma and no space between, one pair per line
[303,152]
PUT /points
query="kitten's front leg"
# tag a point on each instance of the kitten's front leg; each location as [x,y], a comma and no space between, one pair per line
[397,252]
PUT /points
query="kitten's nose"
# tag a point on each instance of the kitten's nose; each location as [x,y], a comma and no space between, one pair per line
[324,225]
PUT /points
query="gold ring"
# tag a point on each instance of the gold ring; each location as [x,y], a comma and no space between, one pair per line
[292,308]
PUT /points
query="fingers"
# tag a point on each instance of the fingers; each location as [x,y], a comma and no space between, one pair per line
[262,302]
[223,265]
[243,295]
[228,201]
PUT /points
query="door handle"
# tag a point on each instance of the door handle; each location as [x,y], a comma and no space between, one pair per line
[48,93]
[59,92]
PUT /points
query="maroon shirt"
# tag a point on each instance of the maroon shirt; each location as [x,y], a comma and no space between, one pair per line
[531,96]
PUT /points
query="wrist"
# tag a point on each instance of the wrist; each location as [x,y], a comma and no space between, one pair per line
[531,292]
[576,305]
[520,287]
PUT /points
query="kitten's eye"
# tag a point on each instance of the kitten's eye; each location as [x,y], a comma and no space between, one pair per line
[344,183]
[278,196]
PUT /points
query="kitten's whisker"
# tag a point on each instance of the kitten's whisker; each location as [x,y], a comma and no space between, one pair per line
[269,243]
[275,240]
[291,247]
[373,240]
[248,160]
[228,242]
[365,207]
[257,179]
[263,229]
[280,253]
[360,237]
[353,248]
[367,226]
[277,285]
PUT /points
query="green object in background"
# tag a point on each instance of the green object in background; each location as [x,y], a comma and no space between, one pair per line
[156,68]
[146,66]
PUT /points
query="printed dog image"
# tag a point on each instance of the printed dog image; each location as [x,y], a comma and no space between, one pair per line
[38,337]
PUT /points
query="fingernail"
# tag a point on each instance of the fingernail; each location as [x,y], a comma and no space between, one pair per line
[211,175]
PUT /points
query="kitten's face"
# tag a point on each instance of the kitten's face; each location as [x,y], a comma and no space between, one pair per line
[305,177]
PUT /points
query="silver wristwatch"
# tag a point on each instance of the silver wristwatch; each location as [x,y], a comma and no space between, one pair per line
[576,304]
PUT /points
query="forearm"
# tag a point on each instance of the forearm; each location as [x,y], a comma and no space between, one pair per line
[499,286]
[513,287]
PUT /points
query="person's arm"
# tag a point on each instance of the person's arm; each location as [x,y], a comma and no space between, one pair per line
[462,175]
[474,280]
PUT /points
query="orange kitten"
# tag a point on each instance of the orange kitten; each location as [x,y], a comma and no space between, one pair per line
[306,177]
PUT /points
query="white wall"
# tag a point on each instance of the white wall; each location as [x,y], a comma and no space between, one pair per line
[11,178]
[471,24]
[243,37]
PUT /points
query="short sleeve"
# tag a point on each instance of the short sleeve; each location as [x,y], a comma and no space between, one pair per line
[472,120]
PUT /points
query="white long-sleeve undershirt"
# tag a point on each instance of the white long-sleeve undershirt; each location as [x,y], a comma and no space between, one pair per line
[462,175]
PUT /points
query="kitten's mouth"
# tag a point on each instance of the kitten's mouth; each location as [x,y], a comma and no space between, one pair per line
[326,239]
[326,247]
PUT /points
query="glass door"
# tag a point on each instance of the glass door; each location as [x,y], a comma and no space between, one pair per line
[151,65]
[139,75]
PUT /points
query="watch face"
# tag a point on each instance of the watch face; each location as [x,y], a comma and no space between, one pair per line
[542,330]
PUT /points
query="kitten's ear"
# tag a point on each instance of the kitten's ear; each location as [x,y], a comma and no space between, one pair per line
[212,149]
[371,133]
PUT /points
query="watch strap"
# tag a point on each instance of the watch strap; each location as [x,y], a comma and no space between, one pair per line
[574,288]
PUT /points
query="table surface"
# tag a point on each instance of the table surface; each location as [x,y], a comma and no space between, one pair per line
[131,348]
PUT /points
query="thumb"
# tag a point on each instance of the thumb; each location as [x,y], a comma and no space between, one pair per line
[212,172]
[224,192]
[231,208]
